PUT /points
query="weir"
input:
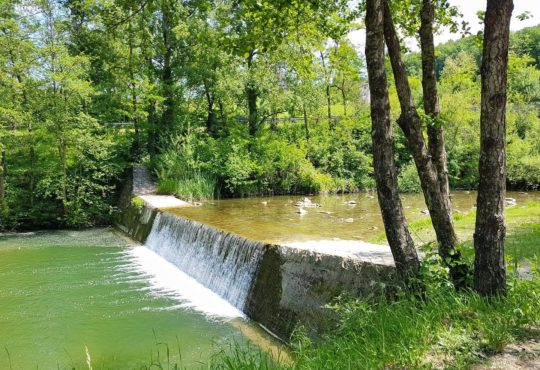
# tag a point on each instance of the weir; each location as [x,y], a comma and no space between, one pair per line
[222,262]
[279,286]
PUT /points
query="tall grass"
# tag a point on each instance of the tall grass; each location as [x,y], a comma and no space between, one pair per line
[193,187]
[448,328]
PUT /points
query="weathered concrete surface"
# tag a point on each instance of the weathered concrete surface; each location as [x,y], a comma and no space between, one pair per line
[136,221]
[134,218]
[142,181]
[295,283]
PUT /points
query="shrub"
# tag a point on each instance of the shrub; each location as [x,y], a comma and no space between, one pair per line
[409,182]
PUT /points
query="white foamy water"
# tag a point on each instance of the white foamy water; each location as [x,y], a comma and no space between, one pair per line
[166,279]
[222,262]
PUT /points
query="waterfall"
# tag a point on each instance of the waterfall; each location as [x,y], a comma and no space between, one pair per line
[223,262]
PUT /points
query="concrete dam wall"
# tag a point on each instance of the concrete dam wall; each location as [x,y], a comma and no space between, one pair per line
[279,286]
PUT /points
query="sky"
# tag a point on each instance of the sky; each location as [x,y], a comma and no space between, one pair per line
[469,8]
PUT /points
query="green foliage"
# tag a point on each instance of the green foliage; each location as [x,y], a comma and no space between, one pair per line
[137,203]
[237,357]
[409,182]
[173,77]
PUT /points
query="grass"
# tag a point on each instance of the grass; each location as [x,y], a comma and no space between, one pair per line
[518,219]
[195,187]
[448,328]
[524,242]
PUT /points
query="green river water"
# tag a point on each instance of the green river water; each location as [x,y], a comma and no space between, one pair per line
[64,292]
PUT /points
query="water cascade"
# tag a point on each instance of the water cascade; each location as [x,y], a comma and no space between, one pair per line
[222,262]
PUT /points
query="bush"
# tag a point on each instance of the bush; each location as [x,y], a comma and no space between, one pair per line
[408,179]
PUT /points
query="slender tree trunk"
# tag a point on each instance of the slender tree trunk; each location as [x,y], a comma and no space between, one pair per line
[222,117]
[306,122]
[410,123]
[251,97]
[136,143]
[490,230]
[344,97]
[210,114]
[398,236]
[328,95]
[431,99]
[152,117]
[329,106]
[63,164]
[167,117]
[2,176]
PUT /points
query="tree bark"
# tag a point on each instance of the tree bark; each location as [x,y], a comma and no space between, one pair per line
[329,106]
[167,117]
[431,99]
[306,122]
[344,97]
[136,143]
[328,94]
[251,97]
[2,176]
[490,230]
[210,113]
[410,124]
[397,233]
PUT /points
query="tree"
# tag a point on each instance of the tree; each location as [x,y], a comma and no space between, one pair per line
[431,100]
[398,236]
[490,230]
[410,124]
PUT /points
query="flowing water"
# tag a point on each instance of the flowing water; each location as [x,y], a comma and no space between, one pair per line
[69,296]
[349,216]
[222,262]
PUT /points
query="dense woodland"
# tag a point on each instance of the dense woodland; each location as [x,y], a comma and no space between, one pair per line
[224,98]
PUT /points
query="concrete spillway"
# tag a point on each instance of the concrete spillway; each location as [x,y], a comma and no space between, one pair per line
[279,286]
[222,262]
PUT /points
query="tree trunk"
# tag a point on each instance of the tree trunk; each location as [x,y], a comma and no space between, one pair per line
[2,176]
[167,117]
[328,95]
[410,123]
[344,97]
[136,142]
[398,236]
[490,230]
[210,114]
[306,122]
[329,106]
[431,100]
[251,97]
[62,149]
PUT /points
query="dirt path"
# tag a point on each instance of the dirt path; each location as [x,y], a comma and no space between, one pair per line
[518,356]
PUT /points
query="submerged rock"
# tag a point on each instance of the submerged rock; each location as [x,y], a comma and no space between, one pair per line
[307,203]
